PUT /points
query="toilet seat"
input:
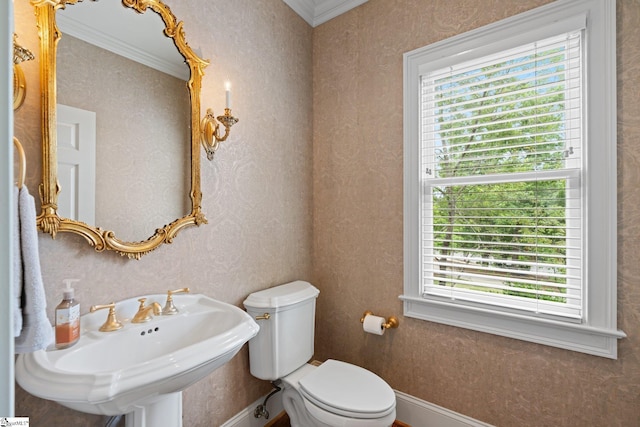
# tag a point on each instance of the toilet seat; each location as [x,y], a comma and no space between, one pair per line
[348,390]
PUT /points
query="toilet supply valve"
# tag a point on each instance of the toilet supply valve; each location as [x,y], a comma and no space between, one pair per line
[111,324]
[169,308]
[261,410]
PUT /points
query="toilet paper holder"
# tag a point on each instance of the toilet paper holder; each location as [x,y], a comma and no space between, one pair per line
[391,322]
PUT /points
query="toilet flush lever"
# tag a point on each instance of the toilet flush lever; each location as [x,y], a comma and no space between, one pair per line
[265,316]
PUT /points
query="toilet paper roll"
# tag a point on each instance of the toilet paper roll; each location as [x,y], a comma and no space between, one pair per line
[373,324]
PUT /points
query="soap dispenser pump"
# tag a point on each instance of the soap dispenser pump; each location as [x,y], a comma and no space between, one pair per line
[67,318]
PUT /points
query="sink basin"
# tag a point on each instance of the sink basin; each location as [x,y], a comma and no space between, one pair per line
[134,368]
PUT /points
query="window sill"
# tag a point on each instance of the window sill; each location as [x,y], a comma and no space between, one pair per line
[570,336]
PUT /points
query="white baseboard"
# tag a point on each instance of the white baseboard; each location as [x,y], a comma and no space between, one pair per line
[409,410]
[420,413]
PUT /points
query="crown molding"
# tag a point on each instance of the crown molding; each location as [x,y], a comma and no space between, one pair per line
[317,12]
[138,38]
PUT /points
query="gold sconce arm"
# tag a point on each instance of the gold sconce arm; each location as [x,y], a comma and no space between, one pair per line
[20,54]
[210,130]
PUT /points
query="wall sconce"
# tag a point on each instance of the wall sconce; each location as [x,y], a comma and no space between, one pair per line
[20,54]
[210,126]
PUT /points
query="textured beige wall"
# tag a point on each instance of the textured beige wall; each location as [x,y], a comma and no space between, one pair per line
[257,193]
[357,182]
[142,129]
[258,198]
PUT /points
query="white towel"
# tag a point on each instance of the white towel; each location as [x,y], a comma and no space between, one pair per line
[37,332]
[17,269]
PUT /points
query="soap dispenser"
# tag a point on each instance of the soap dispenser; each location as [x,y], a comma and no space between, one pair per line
[67,318]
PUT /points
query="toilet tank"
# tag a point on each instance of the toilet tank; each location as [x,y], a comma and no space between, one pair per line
[285,340]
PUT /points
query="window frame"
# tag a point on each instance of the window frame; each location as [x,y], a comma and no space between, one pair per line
[598,333]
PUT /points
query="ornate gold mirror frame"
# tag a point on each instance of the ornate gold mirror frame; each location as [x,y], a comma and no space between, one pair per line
[49,221]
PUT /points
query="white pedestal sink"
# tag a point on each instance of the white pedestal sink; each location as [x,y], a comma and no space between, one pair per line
[141,369]
[164,410]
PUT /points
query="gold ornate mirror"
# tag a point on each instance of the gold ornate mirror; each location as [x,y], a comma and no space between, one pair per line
[181,154]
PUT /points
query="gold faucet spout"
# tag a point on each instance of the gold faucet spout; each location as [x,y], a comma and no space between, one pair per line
[144,312]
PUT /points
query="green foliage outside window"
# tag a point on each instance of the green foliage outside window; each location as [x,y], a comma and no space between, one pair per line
[502,119]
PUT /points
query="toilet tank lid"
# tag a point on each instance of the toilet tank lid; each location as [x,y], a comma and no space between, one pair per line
[282,295]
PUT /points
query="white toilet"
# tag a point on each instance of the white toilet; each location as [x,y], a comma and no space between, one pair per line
[334,394]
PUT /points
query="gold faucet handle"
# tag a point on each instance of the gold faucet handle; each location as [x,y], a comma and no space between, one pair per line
[169,308]
[178,291]
[111,324]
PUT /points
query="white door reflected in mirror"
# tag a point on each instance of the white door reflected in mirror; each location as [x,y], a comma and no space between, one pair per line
[76,130]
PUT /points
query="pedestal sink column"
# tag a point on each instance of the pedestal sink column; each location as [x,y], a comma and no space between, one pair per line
[163,410]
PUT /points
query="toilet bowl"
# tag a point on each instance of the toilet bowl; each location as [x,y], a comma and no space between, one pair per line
[334,394]
[338,394]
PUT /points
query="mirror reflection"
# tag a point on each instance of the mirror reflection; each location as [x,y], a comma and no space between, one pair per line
[137,177]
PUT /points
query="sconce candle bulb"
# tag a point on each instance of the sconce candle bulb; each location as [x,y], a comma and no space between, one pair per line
[227,88]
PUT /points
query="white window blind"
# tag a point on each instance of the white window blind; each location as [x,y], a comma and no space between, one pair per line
[501,157]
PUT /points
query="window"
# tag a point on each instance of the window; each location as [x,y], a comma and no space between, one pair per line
[510,178]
